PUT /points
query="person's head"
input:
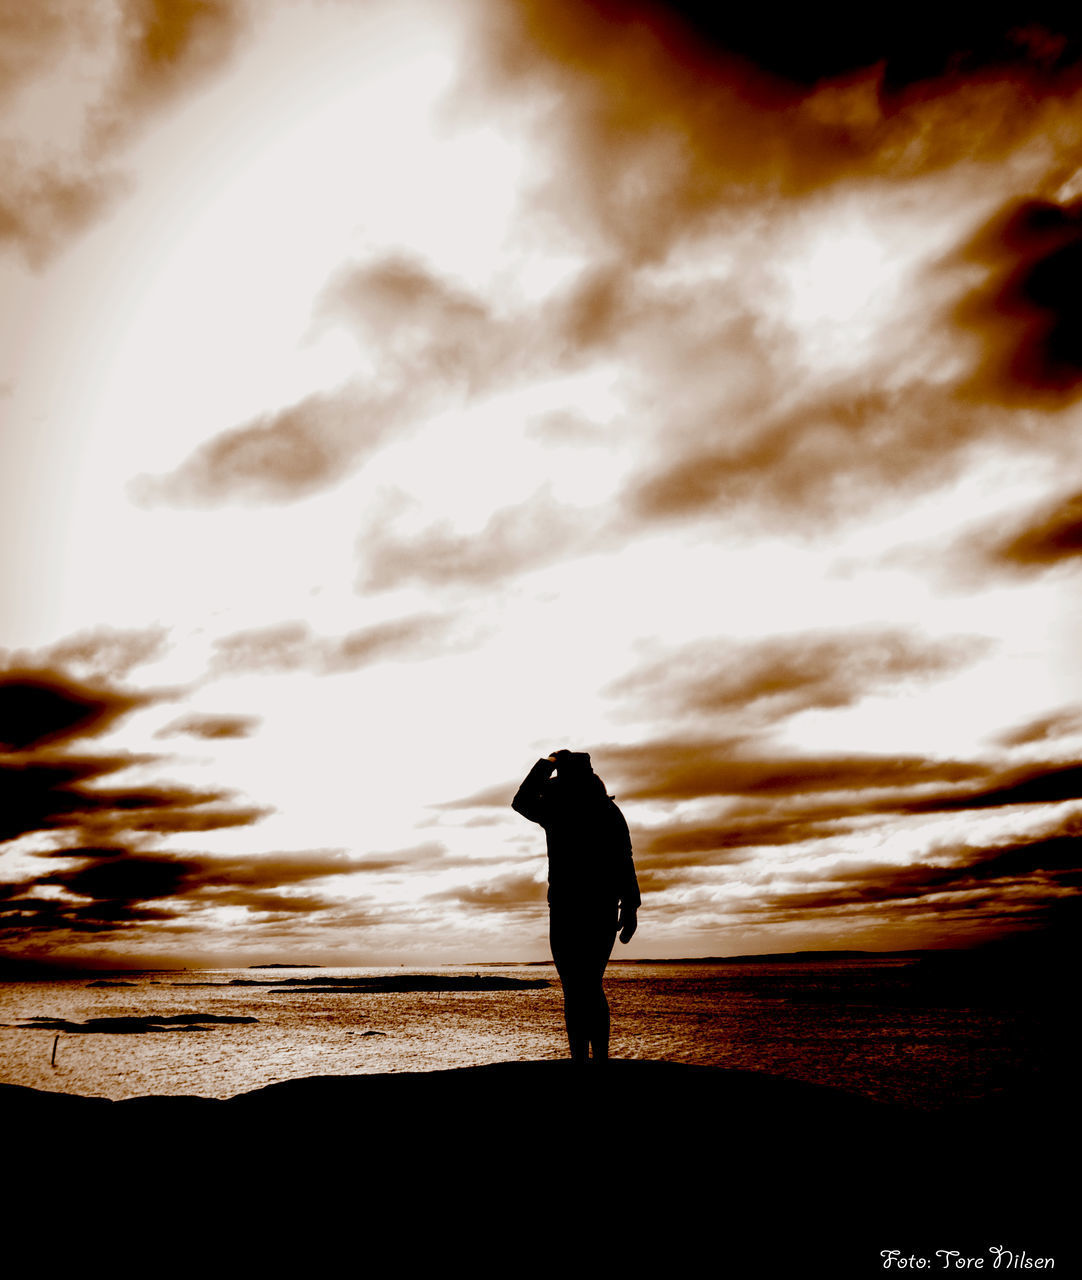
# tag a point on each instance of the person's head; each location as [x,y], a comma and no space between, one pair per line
[572,765]
[575,776]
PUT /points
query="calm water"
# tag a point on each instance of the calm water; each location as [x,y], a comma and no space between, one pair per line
[865,1026]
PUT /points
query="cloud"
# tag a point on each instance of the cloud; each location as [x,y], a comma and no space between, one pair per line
[514,540]
[781,676]
[107,888]
[772,837]
[673,769]
[1045,783]
[1064,722]
[513,892]
[750,798]
[1043,538]
[282,456]
[656,115]
[1027,310]
[104,653]
[293,646]
[203,725]
[677,768]
[79,82]
[39,707]
[801,813]
[421,323]
[116,885]
[49,782]
[45,792]
[169,45]
[495,797]
[33,917]
[727,839]
[824,44]
[657,139]
[47,208]
[426,338]
[835,454]
[1020,881]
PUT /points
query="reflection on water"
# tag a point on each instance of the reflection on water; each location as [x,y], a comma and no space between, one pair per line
[858,1025]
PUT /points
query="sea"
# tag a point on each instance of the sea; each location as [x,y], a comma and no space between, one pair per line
[892,1029]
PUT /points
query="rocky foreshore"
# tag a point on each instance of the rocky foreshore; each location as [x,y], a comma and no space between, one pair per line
[659,1153]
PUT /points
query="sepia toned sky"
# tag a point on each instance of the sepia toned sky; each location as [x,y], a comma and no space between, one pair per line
[395,392]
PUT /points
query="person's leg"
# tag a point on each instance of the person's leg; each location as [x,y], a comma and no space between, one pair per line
[581,942]
[599,1005]
[568,957]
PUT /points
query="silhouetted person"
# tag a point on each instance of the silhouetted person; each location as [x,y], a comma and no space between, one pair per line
[592,887]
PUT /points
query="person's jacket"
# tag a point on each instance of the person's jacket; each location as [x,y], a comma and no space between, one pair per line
[589,845]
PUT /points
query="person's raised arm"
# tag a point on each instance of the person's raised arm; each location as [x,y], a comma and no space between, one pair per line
[530,797]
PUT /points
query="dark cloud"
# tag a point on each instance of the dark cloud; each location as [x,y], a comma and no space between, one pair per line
[687,768]
[33,917]
[120,876]
[859,786]
[202,725]
[1028,312]
[657,116]
[751,803]
[49,782]
[767,799]
[1046,538]
[803,807]
[726,840]
[119,883]
[46,792]
[40,706]
[927,42]
[41,793]
[1055,538]
[1036,784]
[1015,882]
[293,646]
[780,676]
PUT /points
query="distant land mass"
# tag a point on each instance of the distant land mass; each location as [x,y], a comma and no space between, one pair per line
[406,982]
[803,957]
[285,966]
[780,957]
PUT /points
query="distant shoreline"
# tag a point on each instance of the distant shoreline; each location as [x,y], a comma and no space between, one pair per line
[770,957]
[29,970]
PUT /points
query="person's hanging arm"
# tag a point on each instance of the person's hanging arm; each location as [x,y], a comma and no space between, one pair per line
[627,881]
[530,799]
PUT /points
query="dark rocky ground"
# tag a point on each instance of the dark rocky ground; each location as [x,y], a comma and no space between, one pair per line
[540,1168]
